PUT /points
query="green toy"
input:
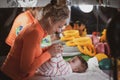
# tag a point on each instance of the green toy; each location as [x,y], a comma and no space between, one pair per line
[105,64]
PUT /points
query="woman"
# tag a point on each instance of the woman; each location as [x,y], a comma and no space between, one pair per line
[25,18]
[26,55]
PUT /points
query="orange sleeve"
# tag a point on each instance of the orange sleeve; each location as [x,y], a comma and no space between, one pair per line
[45,48]
[12,35]
[21,20]
[31,46]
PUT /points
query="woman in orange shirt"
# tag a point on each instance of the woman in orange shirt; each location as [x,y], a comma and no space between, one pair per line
[26,55]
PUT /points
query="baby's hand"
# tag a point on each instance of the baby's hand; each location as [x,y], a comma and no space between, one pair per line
[55,49]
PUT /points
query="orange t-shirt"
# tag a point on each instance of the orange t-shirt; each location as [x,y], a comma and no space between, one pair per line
[26,55]
[19,23]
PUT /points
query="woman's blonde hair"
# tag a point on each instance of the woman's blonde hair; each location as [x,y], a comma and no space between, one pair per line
[56,10]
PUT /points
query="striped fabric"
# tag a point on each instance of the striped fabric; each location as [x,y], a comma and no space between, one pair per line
[56,66]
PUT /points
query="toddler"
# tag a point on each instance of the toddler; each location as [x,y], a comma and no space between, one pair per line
[57,66]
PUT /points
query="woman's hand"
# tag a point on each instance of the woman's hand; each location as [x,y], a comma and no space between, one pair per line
[55,49]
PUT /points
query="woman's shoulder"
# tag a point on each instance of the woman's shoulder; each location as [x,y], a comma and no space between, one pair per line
[23,16]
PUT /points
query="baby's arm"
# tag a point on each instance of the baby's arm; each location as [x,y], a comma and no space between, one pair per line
[64,67]
[56,66]
[49,68]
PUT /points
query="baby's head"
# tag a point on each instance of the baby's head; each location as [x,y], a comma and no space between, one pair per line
[78,64]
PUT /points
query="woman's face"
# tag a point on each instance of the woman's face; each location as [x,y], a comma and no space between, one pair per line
[56,27]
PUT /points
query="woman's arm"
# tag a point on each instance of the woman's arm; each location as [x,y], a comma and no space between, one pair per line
[31,46]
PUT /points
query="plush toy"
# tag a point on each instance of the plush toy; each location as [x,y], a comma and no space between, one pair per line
[105,64]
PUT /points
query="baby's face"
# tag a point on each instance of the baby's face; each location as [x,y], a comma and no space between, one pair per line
[76,64]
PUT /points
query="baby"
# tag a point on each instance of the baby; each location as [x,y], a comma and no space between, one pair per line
[57,66]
